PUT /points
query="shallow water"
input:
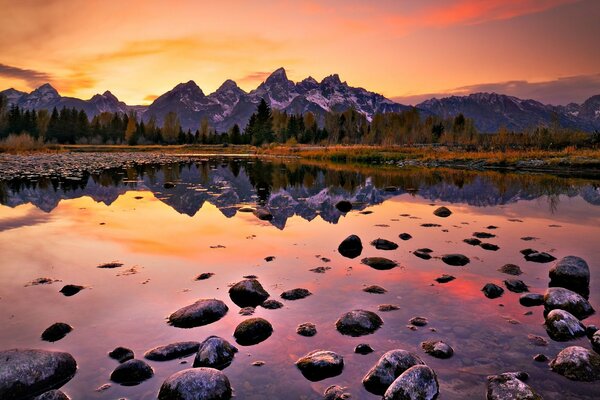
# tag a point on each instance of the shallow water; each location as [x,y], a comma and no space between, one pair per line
[63,229]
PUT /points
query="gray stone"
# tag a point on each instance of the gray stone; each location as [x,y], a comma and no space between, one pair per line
[577,363]
[358,323]
[215,352]
[196,383]
[252,331]
[572,273]
[172,351]
[416,383]
[510,386]
[375,289]
[567,300]
[539,257]
[320,364]
[437,348]
[202,312]
[272,304]
[248,293]
[390,366]
[562,326]
[132,372]
[263,214]
[363,348]
[596,341]
[26,373]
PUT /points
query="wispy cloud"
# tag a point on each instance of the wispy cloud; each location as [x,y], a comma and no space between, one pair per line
[258,76]
[31,77]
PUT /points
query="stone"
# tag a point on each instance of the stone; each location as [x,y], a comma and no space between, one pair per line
[56,332]
[383,244]
[510,269]
[489,246]
[335,392]
[272,304]
[442,212]
[295,294]
[531,299]
[358,323]
[375,289]
[390,366]
[540,357]
[537,340]
[562,326]
[252,331]
[516,285]
[351,247]
[457,260]
[363,348]
[492,291]
[215,352]
[445,278]
[263,214]
[168,185]
[172,351]
[246,311]
[568,301]
[320,270]
[539,257]
[121,354]
[483,235]
[472,241]
[405,236]
[422,254]
[320,364]
[387,307]
[196,383]
[419,382]
[572,273]
[343,206]
[132,372]
[248,292]
[510,386]
[595,339]
[202,312]
[577,363]
[25,373]
[71,290]
[53,395]
[437,348]
[379,263]
[306,329]
[418,321]
[203,276]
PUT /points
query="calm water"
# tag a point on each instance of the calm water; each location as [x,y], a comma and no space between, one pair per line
[165,237]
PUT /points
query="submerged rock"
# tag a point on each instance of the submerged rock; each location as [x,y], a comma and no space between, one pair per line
[215,352]
[489,246]
[272,304]
[571,273]
[336,392]
[539,257]
[510,386]
[416,383]
[375,289]
[437,348]
[531,299]
[492,290]
[445,278]
[306,329]
[248,292]
[343,206]
[196,383]
[387,307]
[202,312]
[351,247]
[568,301]
[405,236]
[442,212]
[320,364]
[383,244]
[56,332]
[252,331]
[418,321]
[457,260]
[562,326]
[132,372]
[516,285]
[203,276]
[25,373]
[510,269]
[422,254]
[379,263]
[172,351]
[71,290]
[358,323]
[363,348]
[295,294]
[577,363]
[121,354]
[390,366]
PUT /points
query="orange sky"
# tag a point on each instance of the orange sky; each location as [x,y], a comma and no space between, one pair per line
[546,49]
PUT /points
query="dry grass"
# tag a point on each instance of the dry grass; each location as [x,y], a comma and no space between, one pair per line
[20,144]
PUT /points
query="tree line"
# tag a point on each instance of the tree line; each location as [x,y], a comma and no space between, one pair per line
[268,125]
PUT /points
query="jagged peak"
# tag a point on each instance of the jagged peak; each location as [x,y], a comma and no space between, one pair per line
[331,80]
[46,88]
[229,84]
[310,79]
[188,86]
[278,75]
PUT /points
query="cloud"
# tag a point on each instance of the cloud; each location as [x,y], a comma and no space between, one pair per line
[572,89]
[258,76]
[150,98]
[31,77]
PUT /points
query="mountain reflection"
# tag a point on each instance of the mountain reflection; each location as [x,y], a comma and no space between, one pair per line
[296,188]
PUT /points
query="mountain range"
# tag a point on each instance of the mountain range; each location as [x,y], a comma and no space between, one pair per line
[230,105]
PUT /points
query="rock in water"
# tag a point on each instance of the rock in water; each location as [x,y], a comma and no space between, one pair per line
[263,214]
[516,285]
[25,373]
[307,329]
[202,312]
[390,366]
[510,386]
[562,326]
[437,348]
[379,263]
[172,351]
[568,301]
[343,206]
[442,212]
[248,293]
[531,299]
[571,273]
[405,236]
[53,395]
[457,260]
[416,383]
[272,304]
[121,354]
[252,331]
[358,323]
[492,291]
[320,364]
[132,372]
[56,332]
[196,383]
[71,290]
[363,348]
[295,294]
[351,247]
[510,269]
[215,352]
[539,257]
[577,363]
[596,341]
[374,289]
[445,278]
[335,392]
[383,244]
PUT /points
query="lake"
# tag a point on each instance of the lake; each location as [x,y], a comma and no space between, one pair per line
[63,227]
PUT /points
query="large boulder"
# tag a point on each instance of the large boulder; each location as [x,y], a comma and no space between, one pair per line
[172,351]
[25,373]
[562,326]
[416,383]
[202,312]
[215,352]
[320,364]
[577,363]
[358,323]
[351,247]
[132,372]
[248,293]
[196,383]
[510,386]
[252,331]
[53,395]
[390,366]
[573,273]
[567,300]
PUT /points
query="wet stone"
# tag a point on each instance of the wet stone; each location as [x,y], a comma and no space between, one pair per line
[418,321]
[429,225]
[540,357]
[295,294]
[272,304]
[53,395]
[215,352]
[168,185]
[336,392]
[196,383]
[252,331]
[416,383]
[562,326]
[246,311]
[595,339]
[71,290]
[472,241]
[351,247]
[437,348]
[483,235]
[248,292]
[510,385]
[375,289]
[577,363]
[203,276]
[269,258]
[131,372]
[379,263]
[121,354]
[457,260]
[202,312]
[358,323]
[571,273]
[320,364]
[383,244]
[390,366]
[489,246]
[306,329]
[41,281]
[172,351]
[320,270]
[363,348]
[445,278]
[56,332]
[422,254]
[531,299]
[538,257]
[516,285]
[568,301]
[510,269]
[263,214]
[492,291]
[537,340]
[442,212]
[387,307]
[405,236]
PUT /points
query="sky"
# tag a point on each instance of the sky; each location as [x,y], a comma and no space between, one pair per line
[404,49]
